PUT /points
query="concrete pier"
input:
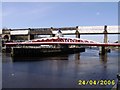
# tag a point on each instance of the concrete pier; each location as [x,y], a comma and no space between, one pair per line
[53,35]
[77,32]
[103,50]
[105,34]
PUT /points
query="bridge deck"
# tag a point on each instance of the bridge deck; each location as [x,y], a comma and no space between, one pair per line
[66,30]
[62,41]
[65,43]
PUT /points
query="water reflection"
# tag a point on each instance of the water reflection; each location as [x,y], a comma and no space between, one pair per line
[77,58]
[104,58]
[33,59]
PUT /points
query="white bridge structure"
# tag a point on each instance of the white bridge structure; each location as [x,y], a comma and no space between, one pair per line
[92,30]
[31,33]
[68,30]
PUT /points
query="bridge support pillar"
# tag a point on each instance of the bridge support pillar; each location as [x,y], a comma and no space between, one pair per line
[52,35]
[107,49]
[77,35]
[77,32]
[29,34]
[104,49]
[30,37]
[105,34]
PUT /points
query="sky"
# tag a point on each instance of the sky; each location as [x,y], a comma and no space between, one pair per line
[60,14]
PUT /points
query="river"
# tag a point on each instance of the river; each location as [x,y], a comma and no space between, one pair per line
[65,71]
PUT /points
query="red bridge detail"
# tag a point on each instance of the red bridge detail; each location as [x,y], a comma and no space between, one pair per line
[61,40]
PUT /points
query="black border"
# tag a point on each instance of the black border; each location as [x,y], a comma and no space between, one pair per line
[56,89]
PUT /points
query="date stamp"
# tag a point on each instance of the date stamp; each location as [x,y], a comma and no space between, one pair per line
[96,82]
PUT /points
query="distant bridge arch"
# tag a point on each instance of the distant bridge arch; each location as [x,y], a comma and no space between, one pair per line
[6,37]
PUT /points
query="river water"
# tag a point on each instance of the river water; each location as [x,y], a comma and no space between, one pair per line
[63,71]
